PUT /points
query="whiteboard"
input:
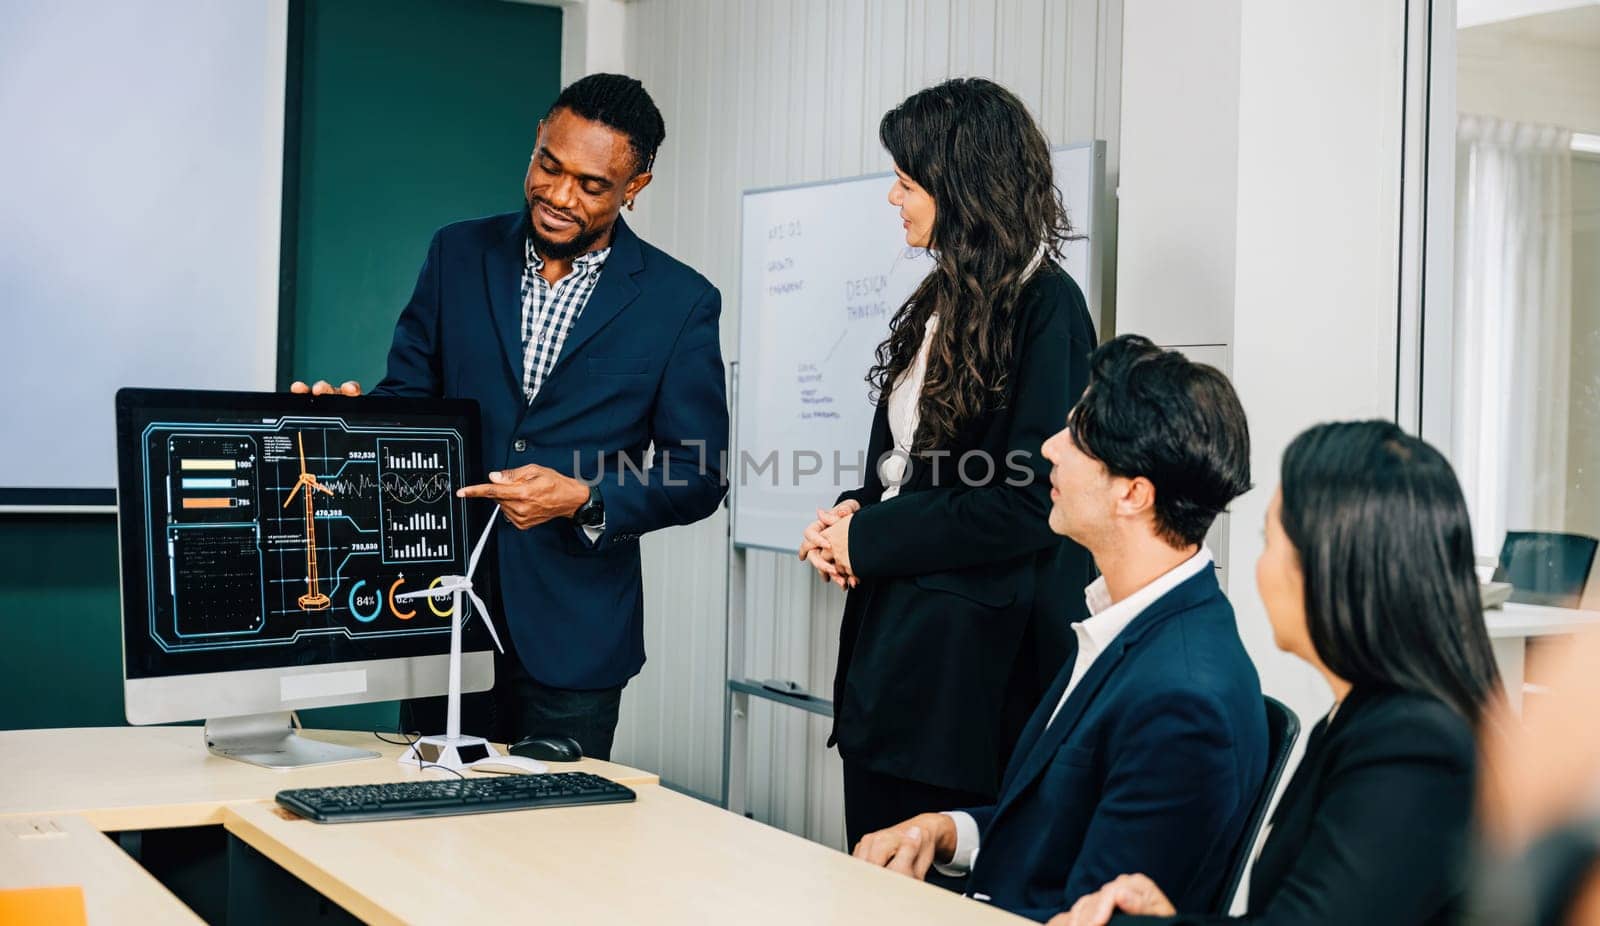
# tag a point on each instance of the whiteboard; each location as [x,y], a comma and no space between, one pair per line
[823,267]
[141,242]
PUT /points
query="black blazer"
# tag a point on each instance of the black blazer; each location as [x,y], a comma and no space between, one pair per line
[956,628]
[1374,828]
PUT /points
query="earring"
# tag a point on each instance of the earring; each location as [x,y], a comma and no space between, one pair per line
[630,205]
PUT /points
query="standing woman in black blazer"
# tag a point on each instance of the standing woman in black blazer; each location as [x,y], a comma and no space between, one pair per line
[946,547]
[1368,576]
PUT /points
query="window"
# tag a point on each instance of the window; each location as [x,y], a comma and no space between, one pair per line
[1509,346]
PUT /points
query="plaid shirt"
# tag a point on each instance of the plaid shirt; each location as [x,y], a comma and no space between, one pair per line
[548,311]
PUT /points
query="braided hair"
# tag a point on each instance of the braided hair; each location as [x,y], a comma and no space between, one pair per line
[622,103]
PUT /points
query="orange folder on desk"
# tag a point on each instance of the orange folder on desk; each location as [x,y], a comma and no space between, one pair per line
[58,906]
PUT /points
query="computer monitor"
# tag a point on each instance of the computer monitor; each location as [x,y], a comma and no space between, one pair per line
[264,537]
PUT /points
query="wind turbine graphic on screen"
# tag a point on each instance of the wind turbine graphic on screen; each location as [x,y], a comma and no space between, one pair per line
[313,599]
[452,750]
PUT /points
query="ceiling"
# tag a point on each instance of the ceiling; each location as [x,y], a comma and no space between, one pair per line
[1579,25]
[1482,12]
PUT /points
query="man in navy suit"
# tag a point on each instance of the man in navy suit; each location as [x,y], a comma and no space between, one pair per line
[583,346]
[1148,750]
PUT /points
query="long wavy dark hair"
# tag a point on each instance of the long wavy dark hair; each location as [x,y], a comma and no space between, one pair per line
[1381,527]
[972,145]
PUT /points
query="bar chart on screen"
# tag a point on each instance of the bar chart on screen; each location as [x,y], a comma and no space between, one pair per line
[415,500]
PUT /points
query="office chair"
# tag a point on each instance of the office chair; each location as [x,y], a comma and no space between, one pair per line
[1283,728]
[1545,567]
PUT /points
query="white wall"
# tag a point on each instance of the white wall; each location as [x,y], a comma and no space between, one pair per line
[770,93]
[1180,166]
[1293,265]
[593,36]
[1179,183]
[1316,286]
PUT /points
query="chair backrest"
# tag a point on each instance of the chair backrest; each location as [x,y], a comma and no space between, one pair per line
[1545,567]
[1283,728]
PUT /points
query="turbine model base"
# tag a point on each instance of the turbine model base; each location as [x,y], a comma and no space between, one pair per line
[457,754]
[317,602]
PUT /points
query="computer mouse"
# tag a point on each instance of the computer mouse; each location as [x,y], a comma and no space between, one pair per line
[551,748]
[512,765]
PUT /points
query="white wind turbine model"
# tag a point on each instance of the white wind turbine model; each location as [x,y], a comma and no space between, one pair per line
[452,750]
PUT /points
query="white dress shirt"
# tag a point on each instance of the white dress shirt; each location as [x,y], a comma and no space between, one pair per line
[1106,620]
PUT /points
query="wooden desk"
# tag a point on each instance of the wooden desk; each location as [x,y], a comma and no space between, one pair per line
[665,859]
[145,778]
[1511,626]
[47,851]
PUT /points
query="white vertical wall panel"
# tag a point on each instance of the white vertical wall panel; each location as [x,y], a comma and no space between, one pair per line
[1304,354]
[1179,187]
[776,92]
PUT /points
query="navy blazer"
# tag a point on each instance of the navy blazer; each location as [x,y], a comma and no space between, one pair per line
[641,365]
[1150,767]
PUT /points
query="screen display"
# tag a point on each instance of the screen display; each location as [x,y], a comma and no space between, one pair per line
[270,530]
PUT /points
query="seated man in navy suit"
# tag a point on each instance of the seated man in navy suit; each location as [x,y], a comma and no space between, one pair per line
[1148,750]
[583,346]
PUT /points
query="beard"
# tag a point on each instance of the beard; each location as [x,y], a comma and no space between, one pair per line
[562,250]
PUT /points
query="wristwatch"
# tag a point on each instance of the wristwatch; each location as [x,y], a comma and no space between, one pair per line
[591,513]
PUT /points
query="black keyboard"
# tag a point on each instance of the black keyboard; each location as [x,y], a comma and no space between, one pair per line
[445,797]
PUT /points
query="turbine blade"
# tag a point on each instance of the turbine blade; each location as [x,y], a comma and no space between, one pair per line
[483,611]
[292,493]
[483,538]
[299,441]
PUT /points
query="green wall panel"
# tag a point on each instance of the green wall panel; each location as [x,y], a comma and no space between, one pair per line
[415,114]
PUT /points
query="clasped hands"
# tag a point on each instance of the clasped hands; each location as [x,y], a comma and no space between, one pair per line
[826,544]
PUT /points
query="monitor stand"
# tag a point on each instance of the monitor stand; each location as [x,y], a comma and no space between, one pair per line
[270,741]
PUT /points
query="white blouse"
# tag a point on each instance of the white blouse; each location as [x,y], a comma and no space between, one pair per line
[905,402]
[905,414]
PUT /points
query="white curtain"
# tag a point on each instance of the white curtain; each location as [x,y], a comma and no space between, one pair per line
[1513,319]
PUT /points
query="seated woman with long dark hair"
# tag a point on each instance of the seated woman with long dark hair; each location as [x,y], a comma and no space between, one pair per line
[1368,576]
